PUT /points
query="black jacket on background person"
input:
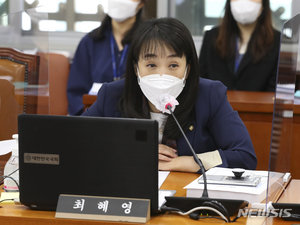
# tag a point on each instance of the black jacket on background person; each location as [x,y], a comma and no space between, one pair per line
[260,76]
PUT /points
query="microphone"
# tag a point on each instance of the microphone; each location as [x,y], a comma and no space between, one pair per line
[227,207]
[166,100]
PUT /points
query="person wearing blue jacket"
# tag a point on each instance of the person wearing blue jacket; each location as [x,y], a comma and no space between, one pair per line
[162,64]
[101,54]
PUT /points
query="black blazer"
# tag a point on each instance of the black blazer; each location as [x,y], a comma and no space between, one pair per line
[260,76]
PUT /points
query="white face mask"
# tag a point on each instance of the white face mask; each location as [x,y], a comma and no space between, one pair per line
[154,86]
[121,10]
[245,11]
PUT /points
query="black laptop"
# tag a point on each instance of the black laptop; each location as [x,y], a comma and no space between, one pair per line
[93,156]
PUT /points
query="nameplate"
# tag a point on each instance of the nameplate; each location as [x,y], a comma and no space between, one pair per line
[103,208]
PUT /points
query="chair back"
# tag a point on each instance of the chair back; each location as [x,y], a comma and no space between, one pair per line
[23,70]
[9,110]
[59,67]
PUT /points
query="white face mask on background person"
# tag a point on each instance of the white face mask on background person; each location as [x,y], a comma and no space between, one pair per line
[154,86]
[245,11]
[120,10]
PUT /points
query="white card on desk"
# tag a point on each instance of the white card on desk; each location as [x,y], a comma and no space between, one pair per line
[162,176]
[95,88]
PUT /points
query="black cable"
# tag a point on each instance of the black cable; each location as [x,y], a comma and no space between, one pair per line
[193,215]
[5,177]
[9,176]
[211,217]
[7,200]
[10,173]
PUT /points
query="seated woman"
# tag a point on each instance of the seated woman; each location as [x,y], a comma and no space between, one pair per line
[101,54]
[243,51]
[162,59]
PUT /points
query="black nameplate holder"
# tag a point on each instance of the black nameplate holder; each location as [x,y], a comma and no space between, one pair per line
[103,208]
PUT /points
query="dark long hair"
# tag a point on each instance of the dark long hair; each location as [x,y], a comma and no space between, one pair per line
[98,33]
[261,40]
[151,35]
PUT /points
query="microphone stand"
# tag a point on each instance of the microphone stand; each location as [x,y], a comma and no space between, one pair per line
[230,205]
[199,162]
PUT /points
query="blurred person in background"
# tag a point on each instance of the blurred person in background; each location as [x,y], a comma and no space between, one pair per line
[243,51]
[101,54]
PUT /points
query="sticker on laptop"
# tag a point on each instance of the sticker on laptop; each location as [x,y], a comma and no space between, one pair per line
[51,159]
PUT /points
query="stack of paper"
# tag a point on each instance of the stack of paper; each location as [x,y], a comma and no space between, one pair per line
[251,194]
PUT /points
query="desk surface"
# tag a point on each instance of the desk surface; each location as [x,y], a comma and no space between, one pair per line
[17,214]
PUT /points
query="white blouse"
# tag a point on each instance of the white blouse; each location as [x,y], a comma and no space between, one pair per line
[161,119]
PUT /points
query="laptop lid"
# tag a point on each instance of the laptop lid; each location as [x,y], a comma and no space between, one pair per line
[287,211]
[113,157]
